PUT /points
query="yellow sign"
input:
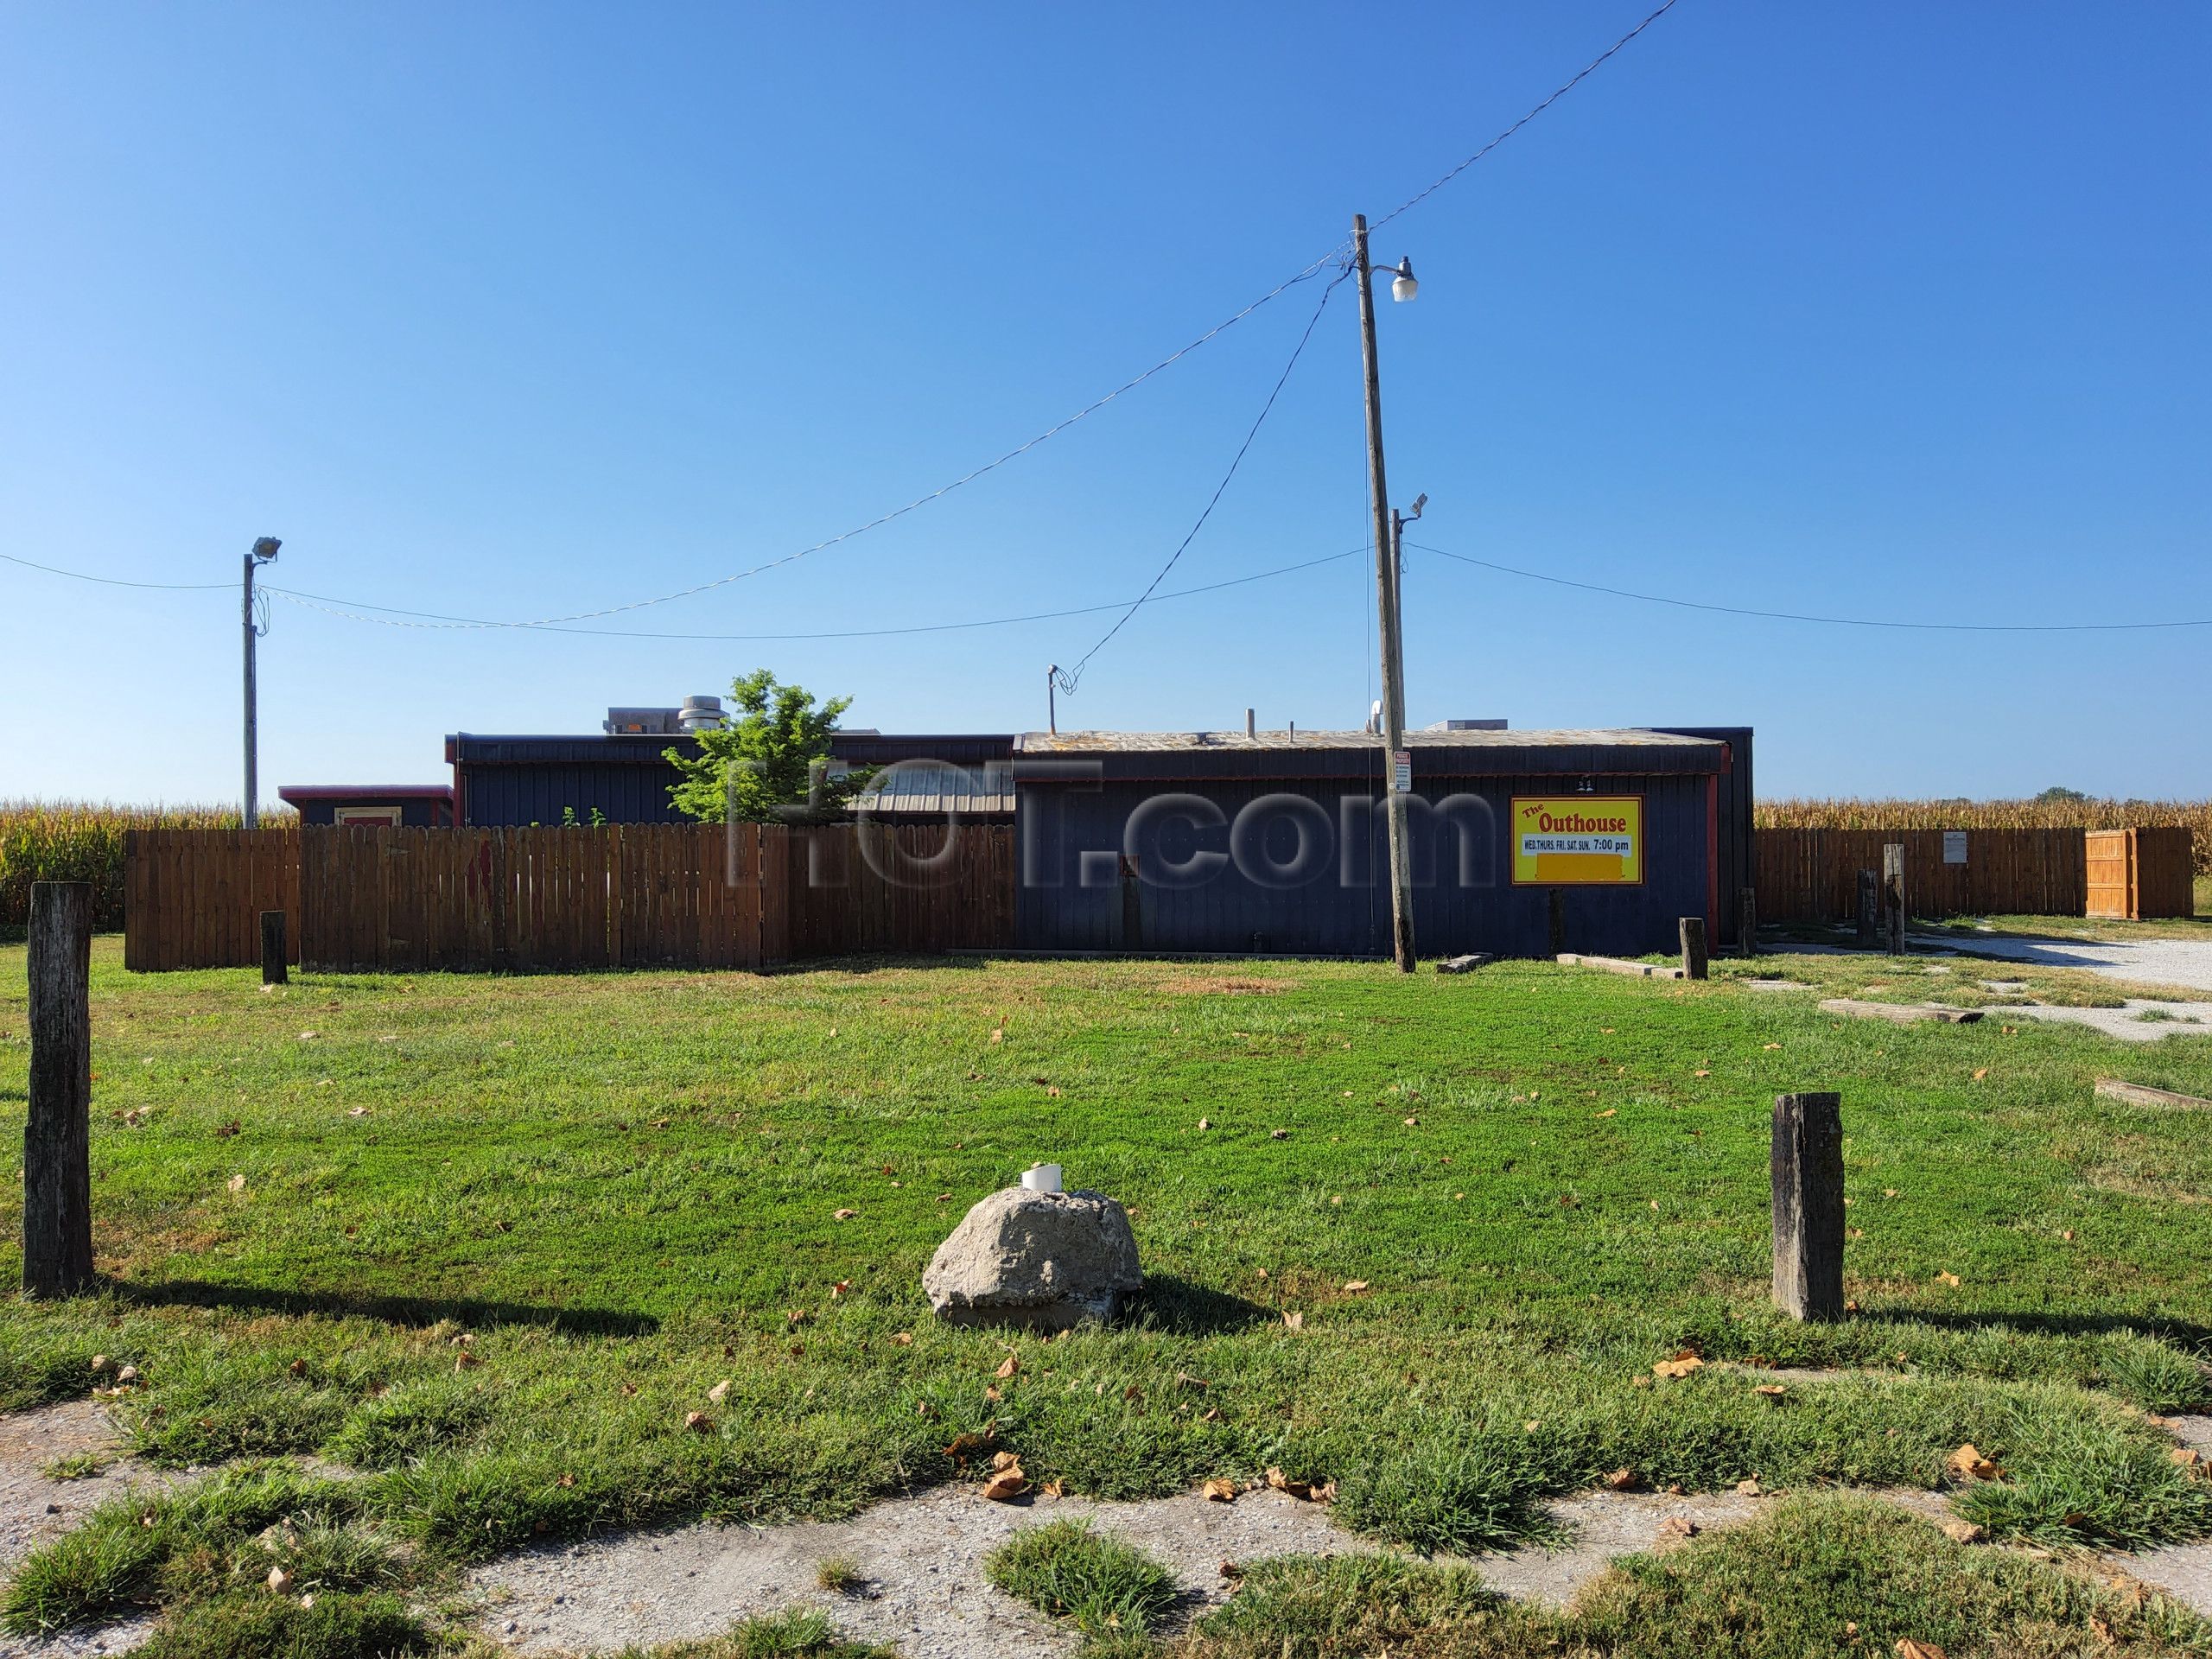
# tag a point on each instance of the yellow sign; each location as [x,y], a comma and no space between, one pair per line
[1571,839]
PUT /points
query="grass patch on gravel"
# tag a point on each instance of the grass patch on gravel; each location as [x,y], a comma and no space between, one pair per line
[1107,1588]
[491,1241]
[1811,1577]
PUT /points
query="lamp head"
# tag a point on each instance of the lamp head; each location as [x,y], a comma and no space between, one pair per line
[1419,501]
[1402,286]
[264,548]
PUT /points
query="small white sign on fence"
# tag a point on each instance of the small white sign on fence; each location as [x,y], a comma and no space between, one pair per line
[1954,846]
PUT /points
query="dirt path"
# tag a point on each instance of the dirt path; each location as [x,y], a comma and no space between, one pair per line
[34,1507]
[920,1558]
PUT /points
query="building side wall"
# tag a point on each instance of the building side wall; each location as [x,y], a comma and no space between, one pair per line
[1077,891]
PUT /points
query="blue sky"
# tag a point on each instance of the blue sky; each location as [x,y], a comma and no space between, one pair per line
[511,311]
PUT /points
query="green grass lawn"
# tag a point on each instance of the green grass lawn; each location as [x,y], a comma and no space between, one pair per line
[491,1240]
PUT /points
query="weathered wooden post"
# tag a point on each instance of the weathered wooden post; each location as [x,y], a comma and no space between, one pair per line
[273,971]
[1557,921]
[1870,910]
[1893,895]
[1747,921]
[1693,932]
[1807,1166]
[57,1135]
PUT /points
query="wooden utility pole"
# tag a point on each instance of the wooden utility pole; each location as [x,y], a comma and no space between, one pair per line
[264,550]
[1808,1172]
[57,1133]
[1386,606]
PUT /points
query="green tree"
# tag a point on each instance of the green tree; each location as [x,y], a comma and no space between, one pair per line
[758,760]
[2058,792]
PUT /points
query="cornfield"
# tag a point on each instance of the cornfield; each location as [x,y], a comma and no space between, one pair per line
[2195,815]
[82,841]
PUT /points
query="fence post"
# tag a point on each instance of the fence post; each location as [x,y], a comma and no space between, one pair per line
[1747,921]
[273,971]
[1693,932]
[57,1135]
[1893,895]
[1870,910]
[1807,1168]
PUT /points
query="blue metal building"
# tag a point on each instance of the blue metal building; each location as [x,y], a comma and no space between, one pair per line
[624,776]
[1273,842]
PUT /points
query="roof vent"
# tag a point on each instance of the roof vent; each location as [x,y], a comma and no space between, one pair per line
[700,715]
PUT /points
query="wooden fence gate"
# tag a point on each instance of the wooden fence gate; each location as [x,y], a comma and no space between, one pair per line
[2137,875]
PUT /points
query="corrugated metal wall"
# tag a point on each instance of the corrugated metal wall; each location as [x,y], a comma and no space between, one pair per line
[1737,843]
[1078,892]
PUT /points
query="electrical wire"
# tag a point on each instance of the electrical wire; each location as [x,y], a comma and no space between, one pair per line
[1558,93]
[1334,255]
[1830,621]
[307,602]
[1069,678]
[116,581]
[1090,409]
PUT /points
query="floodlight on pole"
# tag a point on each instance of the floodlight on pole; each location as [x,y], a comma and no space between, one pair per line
[1402,285]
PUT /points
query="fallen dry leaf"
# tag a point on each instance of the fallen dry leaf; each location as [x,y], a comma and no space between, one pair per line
[1701,1073]
[1964,1532]
[280,1581]
[1355,1286]
[1771,1390]
[1303,1490]
[1054,1488]
[904,1338]
[846,1215]
[1771,1044]
[1009,1484]
[237,1183]
[1004,1460]
[1980,1072]
[1011,1364]
[465,1361]
[1910,1648]
[2186,1456]
[1612,1111]
[698,1423]
[1278,1135]
[1622,1480]
[1678,1526]
[1968,1463]
[1748,1488]
[1951,1279]
[720,1392]
[1677,1367]
[1230,1570]
[838,1289]
[998,1034]
[1220,1491]
[1205,1123]
[1294,1321]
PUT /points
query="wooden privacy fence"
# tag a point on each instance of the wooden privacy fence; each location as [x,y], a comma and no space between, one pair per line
[571,899]
[2140,874]
[1812,875]
[194,898]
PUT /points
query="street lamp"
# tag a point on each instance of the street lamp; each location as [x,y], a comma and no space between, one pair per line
[264,552]
[1404,287]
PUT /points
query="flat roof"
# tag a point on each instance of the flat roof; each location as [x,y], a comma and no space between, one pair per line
[1040,743]
[365,793]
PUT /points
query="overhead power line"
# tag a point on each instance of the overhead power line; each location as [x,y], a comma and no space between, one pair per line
[1798,616]
[118,582]
[1558,93]
[1069,679]
[312,602]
